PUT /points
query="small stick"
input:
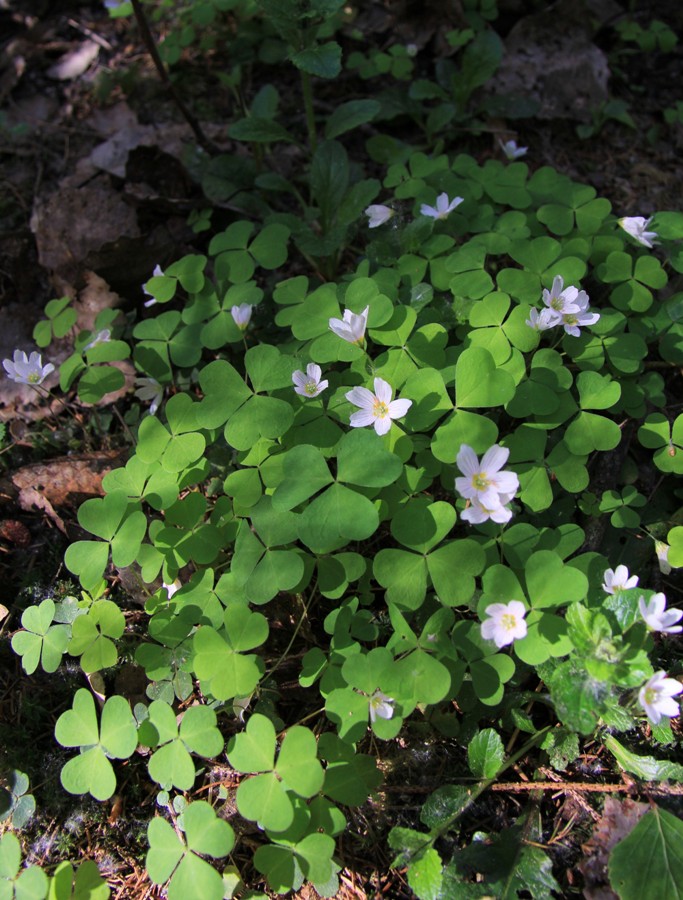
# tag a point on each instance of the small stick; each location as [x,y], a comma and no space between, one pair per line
[519,787]
[148,40]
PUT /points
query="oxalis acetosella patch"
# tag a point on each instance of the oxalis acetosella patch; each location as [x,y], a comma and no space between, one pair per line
[400,505]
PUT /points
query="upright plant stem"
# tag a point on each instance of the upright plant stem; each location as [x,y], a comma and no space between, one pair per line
[307,91]
[151,46]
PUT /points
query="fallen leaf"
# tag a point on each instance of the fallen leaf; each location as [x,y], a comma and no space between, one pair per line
[619,818]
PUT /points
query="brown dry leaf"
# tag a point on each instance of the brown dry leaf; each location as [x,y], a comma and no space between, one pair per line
[74,222]
[95,296]
[75,62]
[61,482]
[619,818]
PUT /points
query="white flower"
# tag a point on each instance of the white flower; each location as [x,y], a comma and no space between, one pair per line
[376,409]
[172,588]
[657,617]
[149,389]
[443,207]
[378,214]
[541,321]
[618,580]
[506,623]
[656,697]
[352,327]
[484,484]
[27,369]
[636,227]
[476,512]
[309,384]
[242,315]
[102,337]
[157,273]
[511,150]
[381,706]
[662,551]
[573,322]
[563,300]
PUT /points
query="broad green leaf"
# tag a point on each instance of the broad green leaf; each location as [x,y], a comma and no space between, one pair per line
[646,767]
[648,862]
[485,754]
[425,875]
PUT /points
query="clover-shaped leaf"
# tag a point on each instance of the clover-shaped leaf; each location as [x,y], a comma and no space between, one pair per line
[94,633]
[170,858]
[29,884]
[15,803]
[266,797]
[114,738]
[171,764]
[41,642]
[85,883]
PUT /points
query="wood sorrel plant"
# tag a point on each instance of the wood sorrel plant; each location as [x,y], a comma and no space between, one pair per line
[259,494]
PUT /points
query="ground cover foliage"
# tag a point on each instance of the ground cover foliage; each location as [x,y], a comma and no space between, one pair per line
[402,418]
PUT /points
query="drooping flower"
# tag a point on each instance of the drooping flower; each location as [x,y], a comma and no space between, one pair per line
[485,485]
[506,623]
[309,384]
[149,389]
[541,320]
[242,315]
[381,706]
[662,551]
[656,697]
[657,617]
[376,409]
[157,273]
[476,513]
[443,207]
[511,150]
[378,214]
[637,226]
[618,579]
[27,369]
[102,337]
[352,327]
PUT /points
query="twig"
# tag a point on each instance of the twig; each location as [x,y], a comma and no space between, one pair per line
[633,788]
[148,40]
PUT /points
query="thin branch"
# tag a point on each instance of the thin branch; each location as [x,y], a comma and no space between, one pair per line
[585,786]
[149,42]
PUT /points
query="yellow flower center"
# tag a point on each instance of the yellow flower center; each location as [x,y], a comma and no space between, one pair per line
[380,410]
[33,377]
[508,621]
[557,303]
[311,387]
[480,481]
[570,319]
[650,695]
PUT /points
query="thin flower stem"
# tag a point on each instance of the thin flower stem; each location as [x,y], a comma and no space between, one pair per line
[307,91]
[282,658]
[148,40]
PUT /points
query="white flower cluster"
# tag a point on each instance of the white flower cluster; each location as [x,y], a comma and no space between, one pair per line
[565,306]
[487,489]
[656,695]
[378,213]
